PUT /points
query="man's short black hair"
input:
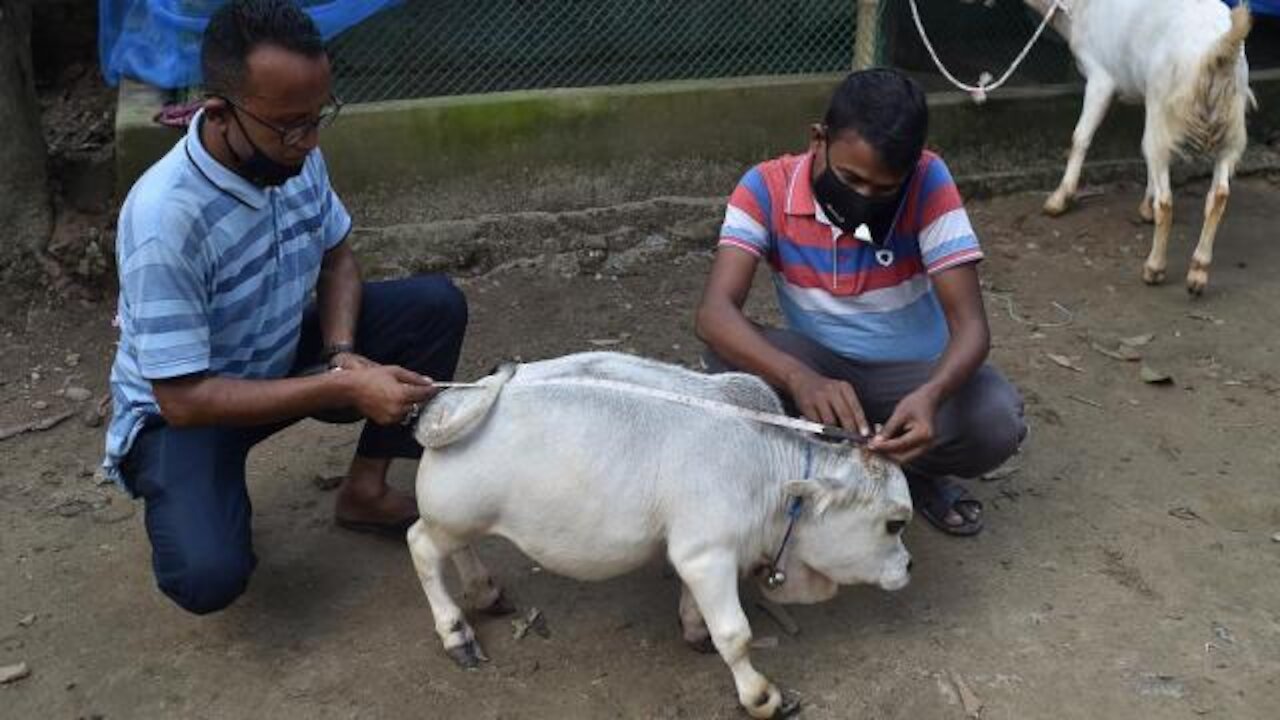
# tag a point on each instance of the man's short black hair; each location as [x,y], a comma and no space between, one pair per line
[885,108]
[240,26]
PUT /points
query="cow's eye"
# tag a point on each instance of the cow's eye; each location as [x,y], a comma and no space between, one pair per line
[893,527]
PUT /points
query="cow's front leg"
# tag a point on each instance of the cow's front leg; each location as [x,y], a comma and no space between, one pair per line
[713,581]
[430,547]
[692,627]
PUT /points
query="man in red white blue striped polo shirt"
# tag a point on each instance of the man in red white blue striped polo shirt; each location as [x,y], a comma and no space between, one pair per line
[874,262]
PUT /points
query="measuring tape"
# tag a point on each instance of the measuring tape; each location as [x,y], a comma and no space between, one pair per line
[831,432]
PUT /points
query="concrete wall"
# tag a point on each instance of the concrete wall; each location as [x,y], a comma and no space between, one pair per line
[1018,133]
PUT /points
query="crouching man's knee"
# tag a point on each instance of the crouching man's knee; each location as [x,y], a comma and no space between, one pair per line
[986,431]
[453,303]
[440,302]
[997,435]
[208,584]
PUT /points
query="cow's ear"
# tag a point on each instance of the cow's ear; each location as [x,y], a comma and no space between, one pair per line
[816,493]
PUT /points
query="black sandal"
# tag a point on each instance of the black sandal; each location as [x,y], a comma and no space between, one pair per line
[935,498]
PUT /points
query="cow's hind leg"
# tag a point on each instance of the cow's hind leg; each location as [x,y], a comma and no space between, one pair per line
[692,627]
[478,585]
[713,582]
[430,547]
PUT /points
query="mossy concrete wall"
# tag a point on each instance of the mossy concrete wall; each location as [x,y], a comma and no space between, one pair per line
[1017,133]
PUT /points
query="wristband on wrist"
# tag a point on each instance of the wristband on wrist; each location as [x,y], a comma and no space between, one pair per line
[336,349]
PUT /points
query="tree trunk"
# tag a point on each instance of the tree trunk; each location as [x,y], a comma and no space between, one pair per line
[26,213]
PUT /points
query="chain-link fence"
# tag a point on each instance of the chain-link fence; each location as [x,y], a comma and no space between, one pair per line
[428,48]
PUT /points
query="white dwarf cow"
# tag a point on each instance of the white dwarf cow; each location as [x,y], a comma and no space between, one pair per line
[1184,59]
[591,477]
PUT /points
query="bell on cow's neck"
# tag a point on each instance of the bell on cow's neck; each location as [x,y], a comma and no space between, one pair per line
[775,578]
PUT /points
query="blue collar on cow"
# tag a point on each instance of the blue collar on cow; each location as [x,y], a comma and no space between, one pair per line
[776,577]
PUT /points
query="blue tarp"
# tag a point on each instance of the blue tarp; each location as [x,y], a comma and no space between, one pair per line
[158,41]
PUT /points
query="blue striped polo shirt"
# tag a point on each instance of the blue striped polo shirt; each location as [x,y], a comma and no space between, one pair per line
[214,275]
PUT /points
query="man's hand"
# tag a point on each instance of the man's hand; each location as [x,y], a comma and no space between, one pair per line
[909,431]
[386,394]
[828,401]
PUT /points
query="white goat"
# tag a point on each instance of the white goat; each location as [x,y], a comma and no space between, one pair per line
[1185,60]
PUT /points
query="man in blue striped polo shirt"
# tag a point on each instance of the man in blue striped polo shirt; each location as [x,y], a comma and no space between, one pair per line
[221,246]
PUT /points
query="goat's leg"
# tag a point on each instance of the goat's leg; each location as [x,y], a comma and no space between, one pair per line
[713,582]
[1157,146]
[1214,206]
[430,547]
[1145,209]
[477,583]
[1097,98]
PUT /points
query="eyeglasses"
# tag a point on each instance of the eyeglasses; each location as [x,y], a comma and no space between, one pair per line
[293,135]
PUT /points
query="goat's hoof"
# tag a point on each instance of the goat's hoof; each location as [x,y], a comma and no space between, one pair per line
[1055,205]
[468,655]
[498,607]
[1152,276]
[1197,281]
[764,705]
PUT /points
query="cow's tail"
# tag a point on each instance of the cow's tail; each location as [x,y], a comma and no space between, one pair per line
[455,413]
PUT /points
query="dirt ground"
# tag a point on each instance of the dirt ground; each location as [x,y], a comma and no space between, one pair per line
[1130,566]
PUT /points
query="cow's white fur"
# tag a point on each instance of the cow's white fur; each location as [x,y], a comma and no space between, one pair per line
[1185,60]
[592,482]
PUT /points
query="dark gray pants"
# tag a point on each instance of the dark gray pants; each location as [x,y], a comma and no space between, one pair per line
[975,431]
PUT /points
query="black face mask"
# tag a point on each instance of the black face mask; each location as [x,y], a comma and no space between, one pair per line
[847,208]
[258,168]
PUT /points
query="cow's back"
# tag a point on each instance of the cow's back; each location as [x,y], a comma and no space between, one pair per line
[589,479]
[739,389]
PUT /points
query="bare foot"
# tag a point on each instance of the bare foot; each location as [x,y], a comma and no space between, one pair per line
[388,507]
[365,501]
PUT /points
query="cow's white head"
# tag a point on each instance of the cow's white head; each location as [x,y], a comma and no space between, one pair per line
[849,532]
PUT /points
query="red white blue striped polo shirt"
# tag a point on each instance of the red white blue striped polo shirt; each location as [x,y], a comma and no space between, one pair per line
[864,301]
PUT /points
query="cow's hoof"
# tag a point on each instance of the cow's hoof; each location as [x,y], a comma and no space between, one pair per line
[468,656]
[499,606]
[1152,276]
[766,704]
[1055,205]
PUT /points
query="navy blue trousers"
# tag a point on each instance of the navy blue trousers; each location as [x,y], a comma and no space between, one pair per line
[193,479]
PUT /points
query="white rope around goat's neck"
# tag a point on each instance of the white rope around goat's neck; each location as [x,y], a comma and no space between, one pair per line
[979,92]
